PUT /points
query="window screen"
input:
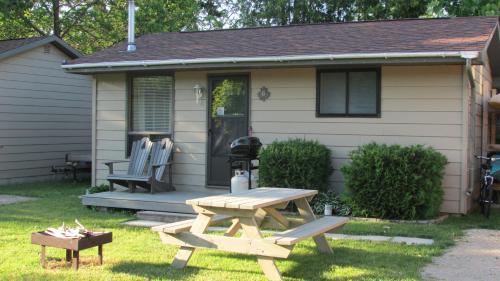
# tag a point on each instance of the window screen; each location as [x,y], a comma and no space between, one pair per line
[348,93]
[333,92]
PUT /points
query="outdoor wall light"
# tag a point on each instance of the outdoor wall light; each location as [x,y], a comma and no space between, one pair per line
[199,91]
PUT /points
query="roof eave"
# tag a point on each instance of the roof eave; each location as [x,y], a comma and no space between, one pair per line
[275,61]
[59,43]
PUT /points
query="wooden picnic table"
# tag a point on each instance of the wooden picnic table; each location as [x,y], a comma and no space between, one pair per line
[247,210]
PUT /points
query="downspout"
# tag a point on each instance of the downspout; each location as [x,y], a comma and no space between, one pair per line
[472,129]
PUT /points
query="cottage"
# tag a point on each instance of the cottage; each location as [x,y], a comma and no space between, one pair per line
[44,111]
[418,81]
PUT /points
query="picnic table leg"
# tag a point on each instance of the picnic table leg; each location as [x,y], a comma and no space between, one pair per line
[260,215]
[251,230]
[233,229]
[275,214]
[99,252]
[43,259]
[76,260]
[308,215]
[200,225]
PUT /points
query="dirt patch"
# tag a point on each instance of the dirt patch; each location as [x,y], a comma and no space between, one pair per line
[11,199]
[475,257]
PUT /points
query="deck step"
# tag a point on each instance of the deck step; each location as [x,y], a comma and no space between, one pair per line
[185,225]
[166,217]
[310,229]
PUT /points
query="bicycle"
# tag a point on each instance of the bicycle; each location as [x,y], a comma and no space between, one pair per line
[486,192]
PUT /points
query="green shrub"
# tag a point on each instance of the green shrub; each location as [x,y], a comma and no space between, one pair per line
[395,182]
[99,188]
[339,207]
[295,163]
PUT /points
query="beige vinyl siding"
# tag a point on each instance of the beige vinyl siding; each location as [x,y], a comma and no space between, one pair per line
[190,131]
[44,114]
[110,126]
[189,128]
[419,105]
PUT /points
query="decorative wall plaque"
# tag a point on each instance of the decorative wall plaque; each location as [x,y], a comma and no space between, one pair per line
[263,94]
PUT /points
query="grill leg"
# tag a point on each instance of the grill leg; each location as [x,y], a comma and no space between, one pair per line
[68,257]
[249,167]
[76,260]
[99,251]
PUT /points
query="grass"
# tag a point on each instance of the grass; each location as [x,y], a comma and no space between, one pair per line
[137,253]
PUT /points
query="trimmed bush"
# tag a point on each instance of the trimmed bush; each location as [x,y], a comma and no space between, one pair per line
[395,182]
[295,163]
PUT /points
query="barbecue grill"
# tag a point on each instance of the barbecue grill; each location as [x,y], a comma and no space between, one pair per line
[246,147]
[243,151]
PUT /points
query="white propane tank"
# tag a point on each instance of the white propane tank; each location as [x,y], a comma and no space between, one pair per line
[239,183]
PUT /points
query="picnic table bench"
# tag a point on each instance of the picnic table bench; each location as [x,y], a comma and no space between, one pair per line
[247,211]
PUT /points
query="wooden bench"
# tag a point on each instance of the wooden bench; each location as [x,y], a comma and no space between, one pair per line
[183,226]
[308,230]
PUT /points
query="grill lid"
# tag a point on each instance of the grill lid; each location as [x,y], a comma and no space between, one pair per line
[246,146]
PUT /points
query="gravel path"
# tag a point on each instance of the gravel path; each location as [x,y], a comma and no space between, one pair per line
[11,199]
[475,257]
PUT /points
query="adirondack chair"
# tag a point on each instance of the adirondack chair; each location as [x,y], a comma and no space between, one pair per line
[154,178]
[136,167]
[160,164]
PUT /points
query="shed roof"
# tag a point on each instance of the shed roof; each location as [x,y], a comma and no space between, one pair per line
[12,47]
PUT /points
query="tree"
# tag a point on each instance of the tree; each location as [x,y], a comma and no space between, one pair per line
[90,25]
[464,8]
[281,12]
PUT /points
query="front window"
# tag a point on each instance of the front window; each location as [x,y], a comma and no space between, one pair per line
[348,93]
[150,108]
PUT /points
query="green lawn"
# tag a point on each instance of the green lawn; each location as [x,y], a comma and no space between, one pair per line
[137,254]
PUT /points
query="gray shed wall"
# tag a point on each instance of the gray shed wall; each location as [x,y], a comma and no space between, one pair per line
[44,114]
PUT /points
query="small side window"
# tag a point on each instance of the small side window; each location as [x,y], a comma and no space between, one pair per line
[348,93]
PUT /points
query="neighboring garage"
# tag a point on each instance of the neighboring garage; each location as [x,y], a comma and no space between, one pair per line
[44,111]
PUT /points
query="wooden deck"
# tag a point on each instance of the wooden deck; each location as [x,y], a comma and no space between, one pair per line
[174,201]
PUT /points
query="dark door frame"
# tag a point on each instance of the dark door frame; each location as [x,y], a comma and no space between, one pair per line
[210,78]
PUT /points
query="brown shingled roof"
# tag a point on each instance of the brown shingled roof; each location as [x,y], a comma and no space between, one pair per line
[416,35]
[10,47]
[11,44]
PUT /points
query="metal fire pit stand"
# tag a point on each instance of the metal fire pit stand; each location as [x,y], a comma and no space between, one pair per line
[236,162]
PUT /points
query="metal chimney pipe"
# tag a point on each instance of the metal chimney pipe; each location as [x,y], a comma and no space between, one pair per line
[131,26]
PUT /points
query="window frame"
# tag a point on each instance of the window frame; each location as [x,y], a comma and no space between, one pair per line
[377,114]
[129,113]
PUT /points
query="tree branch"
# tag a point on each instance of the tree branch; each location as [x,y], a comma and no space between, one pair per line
[32,25]
[78,17]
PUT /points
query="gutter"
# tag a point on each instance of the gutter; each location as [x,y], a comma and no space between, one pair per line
[272,59]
